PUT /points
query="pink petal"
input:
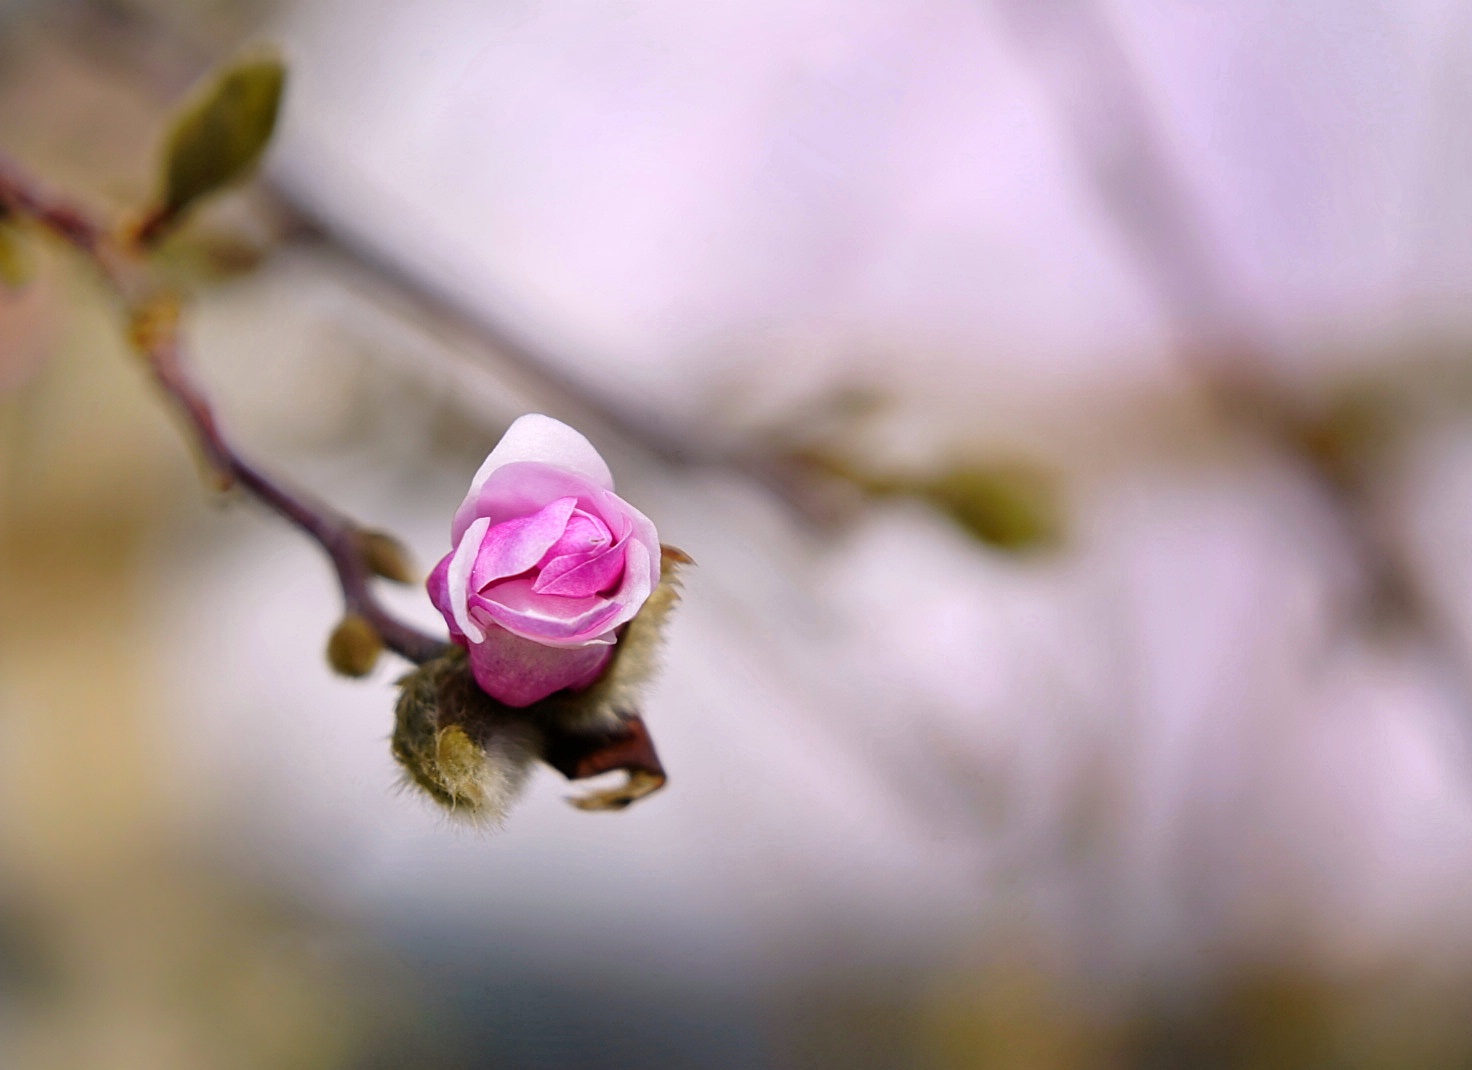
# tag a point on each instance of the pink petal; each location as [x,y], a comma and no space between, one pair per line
[513,546]
[439,595]
[518,671]
[581,575]
[523,487]
[457,580]
[641,576]
[642,573]
[543,440]
[550,619]
[584,536]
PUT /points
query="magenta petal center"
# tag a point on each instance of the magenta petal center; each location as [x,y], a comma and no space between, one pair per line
[580,576]
[585,534]
[514,546]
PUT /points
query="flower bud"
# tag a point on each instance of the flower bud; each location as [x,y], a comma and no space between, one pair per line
[547,565]
[471,752]
[354,646]
[385,556]
[555,593]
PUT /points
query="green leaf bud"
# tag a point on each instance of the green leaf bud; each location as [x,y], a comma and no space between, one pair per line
[1011,506]
[219,135]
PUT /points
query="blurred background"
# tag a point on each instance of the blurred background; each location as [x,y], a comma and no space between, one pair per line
[1068,404]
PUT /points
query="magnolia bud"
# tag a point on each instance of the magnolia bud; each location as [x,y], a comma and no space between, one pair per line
[471,752]
[354,646]
[218,136]
[385,556]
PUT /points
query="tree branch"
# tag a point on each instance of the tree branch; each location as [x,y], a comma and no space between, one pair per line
[786,477]
[154,333]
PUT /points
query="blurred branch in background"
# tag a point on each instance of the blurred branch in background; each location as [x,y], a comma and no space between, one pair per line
[1336,436]
[1011,505]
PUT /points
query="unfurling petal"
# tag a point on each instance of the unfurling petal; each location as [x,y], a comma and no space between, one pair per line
[539,439]
[581,576]
[547,618]
[458,579]
[513,546]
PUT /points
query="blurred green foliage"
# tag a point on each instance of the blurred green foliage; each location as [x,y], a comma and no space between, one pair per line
[1009,505]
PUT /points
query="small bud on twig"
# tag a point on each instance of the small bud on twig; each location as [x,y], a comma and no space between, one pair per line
[385,556]
[154,321]
[354,646]
[1009,505]
[217,139]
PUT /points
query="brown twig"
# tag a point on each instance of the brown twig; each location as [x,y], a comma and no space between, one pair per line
[154,334]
